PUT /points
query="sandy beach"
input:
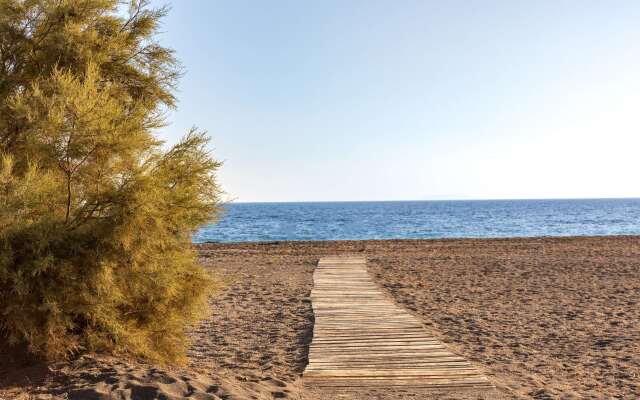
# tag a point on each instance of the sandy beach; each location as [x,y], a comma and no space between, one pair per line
[546,318]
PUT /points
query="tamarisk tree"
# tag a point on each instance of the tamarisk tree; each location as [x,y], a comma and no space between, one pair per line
[96,217]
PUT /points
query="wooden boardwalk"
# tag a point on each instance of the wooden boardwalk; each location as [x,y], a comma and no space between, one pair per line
[362,339]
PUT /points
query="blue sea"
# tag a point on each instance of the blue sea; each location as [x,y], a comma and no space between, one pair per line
[250,222]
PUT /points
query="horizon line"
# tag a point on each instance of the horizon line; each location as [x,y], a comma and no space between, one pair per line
[429,200]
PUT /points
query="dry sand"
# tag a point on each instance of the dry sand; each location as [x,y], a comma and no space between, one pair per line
[543,318]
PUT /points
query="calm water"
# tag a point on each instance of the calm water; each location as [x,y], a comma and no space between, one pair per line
[423,219]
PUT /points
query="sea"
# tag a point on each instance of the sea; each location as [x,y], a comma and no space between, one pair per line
[258,222]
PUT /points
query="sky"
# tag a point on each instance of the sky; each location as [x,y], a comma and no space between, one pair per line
[412,100]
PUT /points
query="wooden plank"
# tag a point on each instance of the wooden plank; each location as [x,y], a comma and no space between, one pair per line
[362,339]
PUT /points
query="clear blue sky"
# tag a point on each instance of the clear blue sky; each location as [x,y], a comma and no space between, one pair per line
[391,100]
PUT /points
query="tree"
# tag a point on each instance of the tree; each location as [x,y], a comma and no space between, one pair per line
[95,217]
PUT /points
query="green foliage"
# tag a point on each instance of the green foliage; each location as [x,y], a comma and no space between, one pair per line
[95,217]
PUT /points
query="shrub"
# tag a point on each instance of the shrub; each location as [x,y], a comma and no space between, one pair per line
[95,217]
